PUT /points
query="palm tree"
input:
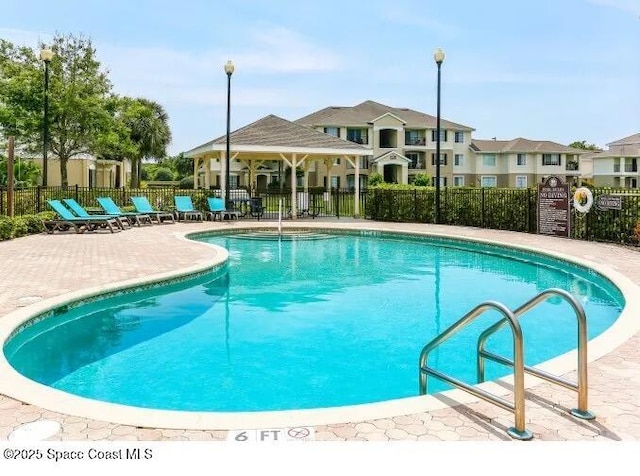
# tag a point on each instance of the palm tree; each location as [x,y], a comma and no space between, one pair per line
[149,125]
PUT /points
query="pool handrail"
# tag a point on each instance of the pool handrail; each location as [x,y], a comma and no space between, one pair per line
[582,386]
[517,407]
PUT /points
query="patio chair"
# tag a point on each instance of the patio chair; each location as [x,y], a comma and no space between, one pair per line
[112,209]
[143,206]
[79,211]
[218,209]
[185,209]
[68,220]
[256,209]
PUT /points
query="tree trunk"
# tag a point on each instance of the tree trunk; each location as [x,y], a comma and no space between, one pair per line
[63,172]
[134,173]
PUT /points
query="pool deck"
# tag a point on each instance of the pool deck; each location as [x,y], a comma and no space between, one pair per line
[45,266]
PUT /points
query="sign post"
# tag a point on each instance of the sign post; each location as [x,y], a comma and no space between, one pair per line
[554,213]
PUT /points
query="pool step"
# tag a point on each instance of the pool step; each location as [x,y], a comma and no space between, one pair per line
[273,235]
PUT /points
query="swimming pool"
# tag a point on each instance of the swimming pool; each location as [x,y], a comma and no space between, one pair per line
[304,324]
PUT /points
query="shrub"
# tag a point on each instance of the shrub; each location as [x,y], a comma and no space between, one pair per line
[375,179]
[163,174]
[636,232]
[6,228]
[20,227]
[186,182]
[422,180]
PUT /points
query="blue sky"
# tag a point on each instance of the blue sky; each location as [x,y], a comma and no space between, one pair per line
[558,70]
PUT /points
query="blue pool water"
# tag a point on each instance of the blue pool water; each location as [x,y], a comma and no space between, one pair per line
[305,324]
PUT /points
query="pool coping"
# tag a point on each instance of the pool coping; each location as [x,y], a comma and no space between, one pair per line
[21,388]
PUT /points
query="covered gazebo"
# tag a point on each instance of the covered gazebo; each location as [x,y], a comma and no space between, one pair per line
[270,140]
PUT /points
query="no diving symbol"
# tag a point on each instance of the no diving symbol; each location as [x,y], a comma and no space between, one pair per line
[298,432]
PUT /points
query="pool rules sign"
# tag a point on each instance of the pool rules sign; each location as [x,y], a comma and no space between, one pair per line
[554,212]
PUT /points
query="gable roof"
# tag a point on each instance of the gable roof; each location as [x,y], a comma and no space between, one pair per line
[364,113]
[391,155]
[522,145]
[633,139]
[273,131]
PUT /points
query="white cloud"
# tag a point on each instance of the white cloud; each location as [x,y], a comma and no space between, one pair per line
[24,37]
[632,6]
[402,16]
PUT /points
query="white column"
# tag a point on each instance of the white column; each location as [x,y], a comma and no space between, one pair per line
[356,205]
[196,162]
[294,195]
[207,172]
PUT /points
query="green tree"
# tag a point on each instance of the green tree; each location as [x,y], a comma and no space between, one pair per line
[183,165]
[163,174]
[26,173]
[583,145]
[78,93]
[149,125]
[421,180]
[375,179]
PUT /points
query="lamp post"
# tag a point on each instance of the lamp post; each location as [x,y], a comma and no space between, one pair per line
[228,68]
[45,55]
[438,56]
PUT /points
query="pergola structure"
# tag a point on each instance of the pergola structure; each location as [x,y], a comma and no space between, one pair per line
[273,139]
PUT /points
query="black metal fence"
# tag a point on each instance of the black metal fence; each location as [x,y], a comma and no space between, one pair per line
[501,209]
[504,209]
[313,203]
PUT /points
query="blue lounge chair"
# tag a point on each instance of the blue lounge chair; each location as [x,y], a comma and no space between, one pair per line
[79,224]
[112,209]
[79,211]
[143,206]
[185,209]
[217,209]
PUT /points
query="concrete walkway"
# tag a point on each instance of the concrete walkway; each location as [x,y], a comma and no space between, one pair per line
[45,266]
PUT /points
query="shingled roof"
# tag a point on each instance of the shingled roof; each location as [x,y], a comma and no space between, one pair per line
[522,145]
[367,111]
[273,131]
[633,139]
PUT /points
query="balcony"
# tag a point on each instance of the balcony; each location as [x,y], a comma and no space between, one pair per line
[630,167]
[573,166]
[364,140]
[415,141]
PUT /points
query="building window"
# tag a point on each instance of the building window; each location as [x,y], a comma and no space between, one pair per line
[336,161]
[443,181]
[522,159]
[458,160]
[489,160]
[458,181]
[332,131]
[358,136]
[443,159]
[551,159]
[364,162]
[521,181]
[417,160]
[335,182]
[488,181]
[443,135]
[414,138]
[459,137]
[234,181]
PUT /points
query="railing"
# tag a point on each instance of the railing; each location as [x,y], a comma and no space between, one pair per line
[630,168]
[582,386]
[572,166]
[319,202]
[517,407]
[511,318]
[415,141]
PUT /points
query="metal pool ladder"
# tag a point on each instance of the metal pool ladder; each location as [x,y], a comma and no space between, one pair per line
[510,318]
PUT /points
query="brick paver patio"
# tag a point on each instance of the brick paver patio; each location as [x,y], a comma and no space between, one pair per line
[45,266]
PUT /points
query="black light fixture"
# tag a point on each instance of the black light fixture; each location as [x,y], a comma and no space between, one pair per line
[438,56]
[45,55]
[228,68]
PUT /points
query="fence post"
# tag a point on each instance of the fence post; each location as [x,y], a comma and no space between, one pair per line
[528,210]
[415,205]
[338,203]
[483,211]
[38,193]
[76,193]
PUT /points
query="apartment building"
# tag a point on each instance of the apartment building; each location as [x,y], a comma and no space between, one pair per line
[519,163]
[618,166]
[403,142]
